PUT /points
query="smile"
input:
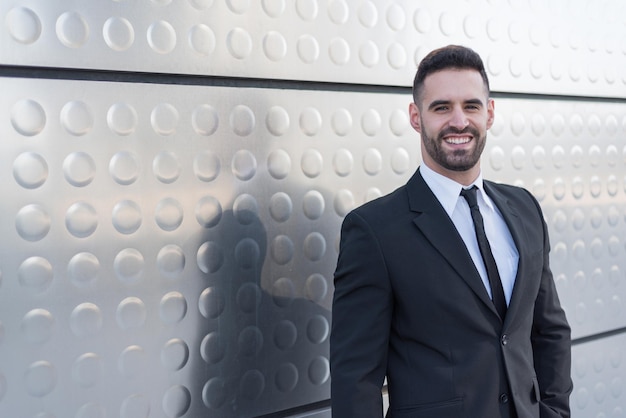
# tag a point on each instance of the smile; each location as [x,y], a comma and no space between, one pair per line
[458,140]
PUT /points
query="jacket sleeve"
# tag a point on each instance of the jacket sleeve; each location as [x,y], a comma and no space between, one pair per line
[551,342]
[362,309]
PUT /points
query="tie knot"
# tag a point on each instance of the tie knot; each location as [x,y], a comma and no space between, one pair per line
[470,196]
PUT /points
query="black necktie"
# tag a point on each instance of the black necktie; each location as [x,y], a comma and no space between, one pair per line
[485,250]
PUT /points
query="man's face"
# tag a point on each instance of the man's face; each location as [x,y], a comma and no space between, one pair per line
[453,117]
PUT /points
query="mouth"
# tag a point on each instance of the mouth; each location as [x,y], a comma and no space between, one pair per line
[457,139]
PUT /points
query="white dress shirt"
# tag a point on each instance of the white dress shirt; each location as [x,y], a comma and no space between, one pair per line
[448,192]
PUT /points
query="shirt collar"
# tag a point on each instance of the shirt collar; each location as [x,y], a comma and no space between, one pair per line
[448,191]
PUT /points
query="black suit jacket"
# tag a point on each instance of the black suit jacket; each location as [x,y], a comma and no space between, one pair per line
[409,305]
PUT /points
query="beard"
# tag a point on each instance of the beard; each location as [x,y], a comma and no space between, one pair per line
[456,160]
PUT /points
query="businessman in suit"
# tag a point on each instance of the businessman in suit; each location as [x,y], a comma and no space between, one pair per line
[461,326]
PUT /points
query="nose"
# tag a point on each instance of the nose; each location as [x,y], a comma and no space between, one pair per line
[458,119]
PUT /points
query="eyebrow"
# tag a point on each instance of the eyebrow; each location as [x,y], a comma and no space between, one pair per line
[446,102]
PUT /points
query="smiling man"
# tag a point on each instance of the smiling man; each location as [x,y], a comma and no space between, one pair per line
[444,286]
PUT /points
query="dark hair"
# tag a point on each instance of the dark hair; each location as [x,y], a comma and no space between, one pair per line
[448,57]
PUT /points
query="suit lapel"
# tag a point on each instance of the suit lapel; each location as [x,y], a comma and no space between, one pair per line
[437,227]
[518,232]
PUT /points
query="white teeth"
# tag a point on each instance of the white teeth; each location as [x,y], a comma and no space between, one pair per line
[457,140]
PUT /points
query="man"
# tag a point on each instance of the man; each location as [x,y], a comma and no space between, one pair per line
[413,293]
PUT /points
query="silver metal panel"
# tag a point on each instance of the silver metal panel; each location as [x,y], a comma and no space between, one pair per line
[599,373]
[573,47]
[169,249]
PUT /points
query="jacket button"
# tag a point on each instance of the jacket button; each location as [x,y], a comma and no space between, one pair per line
[505,339]
[504,398]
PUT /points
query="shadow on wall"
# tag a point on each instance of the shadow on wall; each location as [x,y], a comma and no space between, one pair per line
[263,346]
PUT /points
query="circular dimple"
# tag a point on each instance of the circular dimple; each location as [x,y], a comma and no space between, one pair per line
[214,393]
[174,354]
[32,222]
[539,157]
[576,124]
[161,37]
[135,406]
[239,43]
[312,163]
[338,12]
[131,313]
[164,119]
[286,377]
[319,370]
[308,49]
[86,320]
[612,185]
[274,46]
[202,39]
[166,167]
[578,187]
[368,14]
[244,165]
[448,24]
[76,118]
[314,246]
[245,209]
[280,207]
[285,334]
[87,370]
[35,273]
[283,292]
[126,217]
[124,168]
[169,214]
[247,253]
[558,156]
[341,122]
[28,117]
[495,29]
[398,122]
[539,189]
[277,121]
[496,158]
[282,249]
[122,119]
[343,162]
[371,122]
[204,120]
[372,193]
[558,188]
[518,157]
[132,361]
[279,164]
[211,303]
[422,20]
[251,385]
[310,121]
[518,124]
[171,261]
[72,30]
[81,219]
[316,287]
[471,26]
[313,204]
[23,25]
[173,308]
[249,297]
[369,54]
[213,348]
[558,124]
[307,9]
[317,329]
[128,265]
[344,202]
[40,378]
[372,162]
[208,211]
[176,401]
[396,56]
[37,326]
[400,161]
[118,33]
[210,257]
[396,18]
[273,8]
[79,169]
[250,341]
[206,166]
[83,269]
[339,51]
[595,186]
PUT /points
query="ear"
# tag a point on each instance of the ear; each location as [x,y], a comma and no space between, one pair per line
[414,117]
[491,113]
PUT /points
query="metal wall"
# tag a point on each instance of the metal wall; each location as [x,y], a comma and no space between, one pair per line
[174,174]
